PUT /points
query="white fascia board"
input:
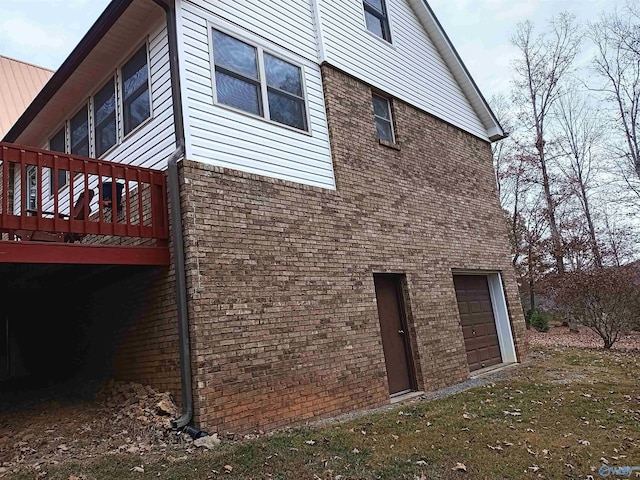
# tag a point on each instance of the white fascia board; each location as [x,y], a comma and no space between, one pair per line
[458,69]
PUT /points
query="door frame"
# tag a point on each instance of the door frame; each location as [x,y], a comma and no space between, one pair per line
[401,293]
[500,311]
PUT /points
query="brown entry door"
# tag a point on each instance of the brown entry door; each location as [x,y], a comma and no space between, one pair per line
[478,322]
[393,330]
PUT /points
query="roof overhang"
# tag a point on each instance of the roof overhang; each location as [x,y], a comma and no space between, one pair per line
[89,63]
[458,69]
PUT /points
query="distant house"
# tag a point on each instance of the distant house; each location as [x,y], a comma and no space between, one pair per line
[19,84]
[335,240]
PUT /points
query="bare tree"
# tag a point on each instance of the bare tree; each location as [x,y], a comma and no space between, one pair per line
[617,61]
[545,61]
[580,133]
[620,241]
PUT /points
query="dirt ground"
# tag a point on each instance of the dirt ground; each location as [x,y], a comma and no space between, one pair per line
[562,337]
[123,418]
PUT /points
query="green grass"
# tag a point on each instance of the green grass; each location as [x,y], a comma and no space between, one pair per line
[560,415]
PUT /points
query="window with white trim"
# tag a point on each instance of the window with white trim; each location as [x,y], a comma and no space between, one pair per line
[136,103]
[104,118]
[79,133]
[58,143]
[377,19]
[250,79]
[383,118]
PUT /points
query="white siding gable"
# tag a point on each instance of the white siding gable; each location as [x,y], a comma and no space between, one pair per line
[221,136]
[410,68]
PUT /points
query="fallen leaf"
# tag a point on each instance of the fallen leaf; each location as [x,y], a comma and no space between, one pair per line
[466,416]
[228,468]
[460,467]
[139,469]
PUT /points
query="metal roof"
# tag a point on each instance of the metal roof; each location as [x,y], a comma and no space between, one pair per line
[20,82]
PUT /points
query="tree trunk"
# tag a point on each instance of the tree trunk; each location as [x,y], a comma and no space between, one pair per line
[592,231]
[551,209]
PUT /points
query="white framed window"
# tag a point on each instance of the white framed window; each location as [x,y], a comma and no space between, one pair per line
[383,118]
[58,143]
[135,91]
[255,81]
[32,187]
[105,132]
[79,133]
[377,18]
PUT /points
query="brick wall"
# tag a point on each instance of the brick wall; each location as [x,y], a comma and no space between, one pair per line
[132,329]
[283,315]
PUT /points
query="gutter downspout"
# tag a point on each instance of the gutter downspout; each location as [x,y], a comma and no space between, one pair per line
[176,218]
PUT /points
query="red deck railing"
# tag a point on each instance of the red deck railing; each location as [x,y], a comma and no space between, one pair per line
[119,200]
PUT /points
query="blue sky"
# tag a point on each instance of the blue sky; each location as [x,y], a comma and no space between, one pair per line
[44,32]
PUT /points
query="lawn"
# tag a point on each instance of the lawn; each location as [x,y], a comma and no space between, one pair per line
[560,416]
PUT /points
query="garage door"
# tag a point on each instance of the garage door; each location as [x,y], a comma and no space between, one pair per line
[477,320]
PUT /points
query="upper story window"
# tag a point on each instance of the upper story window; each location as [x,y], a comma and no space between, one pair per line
[136,104]
[383,118]
[79,133]
[377,19]
[104,118]
[58,143]
[257,82]
[95,129]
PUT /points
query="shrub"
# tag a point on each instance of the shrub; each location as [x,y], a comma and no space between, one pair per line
[538,319]
[605,300]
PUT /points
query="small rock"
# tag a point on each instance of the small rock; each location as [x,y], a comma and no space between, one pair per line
[209,442]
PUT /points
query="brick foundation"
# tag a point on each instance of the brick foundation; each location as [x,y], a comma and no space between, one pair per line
[283,316]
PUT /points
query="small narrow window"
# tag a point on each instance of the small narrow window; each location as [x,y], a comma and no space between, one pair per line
[375,15]
[382,114]
[104,118]
[32,188]
[79,133]
[237,77]
[136,105]
[58,144]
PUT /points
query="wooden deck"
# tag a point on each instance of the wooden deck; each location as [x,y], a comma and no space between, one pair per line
[58,208]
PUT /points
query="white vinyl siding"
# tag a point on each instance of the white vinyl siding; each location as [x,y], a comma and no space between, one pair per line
[410,69]
[287,23]
[220,136]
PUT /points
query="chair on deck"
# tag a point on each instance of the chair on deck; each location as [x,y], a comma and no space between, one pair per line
[79,213]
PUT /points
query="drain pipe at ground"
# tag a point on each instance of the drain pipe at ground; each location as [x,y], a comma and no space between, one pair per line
[173,183]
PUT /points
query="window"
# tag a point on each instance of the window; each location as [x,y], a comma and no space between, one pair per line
[136,105]
[376,18]
[58,144]
[32,187]
[382,115]
[104,118]
[257,82]
[79,133]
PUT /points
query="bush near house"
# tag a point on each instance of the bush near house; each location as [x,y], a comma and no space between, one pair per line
[605,300]
[538,319]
